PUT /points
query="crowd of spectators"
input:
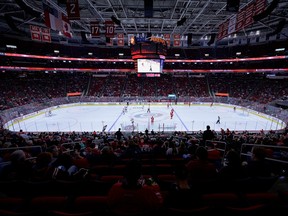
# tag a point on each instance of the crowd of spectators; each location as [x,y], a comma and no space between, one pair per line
[26,88]
[191,161]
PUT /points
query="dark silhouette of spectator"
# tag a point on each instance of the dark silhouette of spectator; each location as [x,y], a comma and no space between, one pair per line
[258,166]
[119,134]
[214,154]
[146,132]
[134,194]
[232,168]
[208,134]
[281,185]
[64,167]
[133,150]
[18,169]
[181,194]
[42,169]
[201,167]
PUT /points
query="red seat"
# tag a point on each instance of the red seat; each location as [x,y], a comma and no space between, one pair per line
[45,204]
[11,203]
[255,204]
[111,178]
[90,203]
[84,206]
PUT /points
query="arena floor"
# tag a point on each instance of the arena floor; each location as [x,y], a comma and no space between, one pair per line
[95,117]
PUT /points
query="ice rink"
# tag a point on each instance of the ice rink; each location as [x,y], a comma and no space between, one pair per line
[95,117]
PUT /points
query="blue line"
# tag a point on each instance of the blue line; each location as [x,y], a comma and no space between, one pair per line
[115,122]
[180,119]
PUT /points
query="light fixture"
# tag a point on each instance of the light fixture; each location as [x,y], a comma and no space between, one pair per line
[11,46]
[280,49]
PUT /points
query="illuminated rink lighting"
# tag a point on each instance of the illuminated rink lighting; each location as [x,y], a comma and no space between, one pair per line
[88,117]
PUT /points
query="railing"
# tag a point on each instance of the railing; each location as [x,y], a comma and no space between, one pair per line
[278,155]
[32,150]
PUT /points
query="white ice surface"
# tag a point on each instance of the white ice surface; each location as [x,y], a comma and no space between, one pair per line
[89,118]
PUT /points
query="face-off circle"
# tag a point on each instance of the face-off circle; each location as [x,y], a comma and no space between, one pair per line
[147,115]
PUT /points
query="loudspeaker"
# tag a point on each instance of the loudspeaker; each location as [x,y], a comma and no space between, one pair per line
[148,8]
[266,12]
[149,34]
[27,9]
[83,36]
[181,22]
[189,39]
[232,5]
[279,27]
[115,20]
[212,39]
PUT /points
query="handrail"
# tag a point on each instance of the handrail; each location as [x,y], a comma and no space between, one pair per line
[21,147]
[285,148]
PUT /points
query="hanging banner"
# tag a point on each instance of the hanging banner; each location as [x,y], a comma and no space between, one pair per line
[109,28]
[72,8]
[35,32]
[177,40]
[120,39]
[167,39]
[95,29]
[46,35]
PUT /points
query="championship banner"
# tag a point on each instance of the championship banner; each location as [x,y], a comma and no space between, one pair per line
[46,35]
[177,40]
[167,39]
[95,29]
[35,33]
[240,20]
[72,8]
[120,39]
[259,7]
[249,15]
[232,24]
[223,30]
[109,28]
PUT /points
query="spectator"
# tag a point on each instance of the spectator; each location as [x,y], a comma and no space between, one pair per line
[134,195]
[232,168]
[42,169]
[201,167]
[208,134]
[181,195]
[119,134]
[18,169]
[258,166]
[214,154]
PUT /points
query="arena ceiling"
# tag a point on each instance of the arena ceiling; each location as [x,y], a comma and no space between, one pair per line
[199,18]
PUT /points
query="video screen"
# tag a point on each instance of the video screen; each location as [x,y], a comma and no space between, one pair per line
[150,65]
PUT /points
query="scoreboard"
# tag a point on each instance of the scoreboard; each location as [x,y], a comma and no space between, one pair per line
[149,55]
